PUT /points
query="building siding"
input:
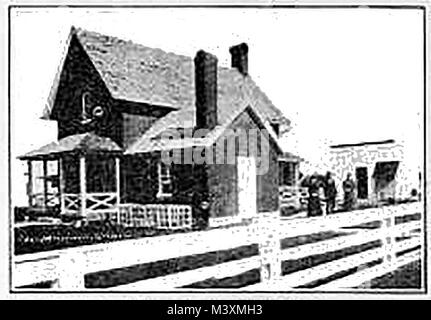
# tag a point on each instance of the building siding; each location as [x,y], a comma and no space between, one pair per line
[267,184]
[345,159]
[139,182]
[134,126]
[138,179]
[223,190]
[223,179]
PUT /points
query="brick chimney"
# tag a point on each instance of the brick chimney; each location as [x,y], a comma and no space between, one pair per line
[239,58]
[206,90]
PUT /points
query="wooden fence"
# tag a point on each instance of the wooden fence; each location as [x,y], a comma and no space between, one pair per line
[339,251]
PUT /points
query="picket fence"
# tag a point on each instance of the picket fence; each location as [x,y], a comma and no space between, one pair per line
[396,229]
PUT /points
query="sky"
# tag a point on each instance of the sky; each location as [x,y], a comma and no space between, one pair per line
[339,75]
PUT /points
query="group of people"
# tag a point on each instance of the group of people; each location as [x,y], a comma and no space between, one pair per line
[327,183]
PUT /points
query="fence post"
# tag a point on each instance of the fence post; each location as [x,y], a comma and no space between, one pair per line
[269,247]
[388,236]
[71,269]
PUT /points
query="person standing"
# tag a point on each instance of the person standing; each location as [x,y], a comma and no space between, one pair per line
[330,191]
[314,207]
[349,192]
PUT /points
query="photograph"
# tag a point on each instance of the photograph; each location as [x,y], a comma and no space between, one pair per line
[267,149]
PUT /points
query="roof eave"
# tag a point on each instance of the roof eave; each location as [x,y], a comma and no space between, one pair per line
[56,155]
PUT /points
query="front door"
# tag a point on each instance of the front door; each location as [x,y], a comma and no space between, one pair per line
[247,200]
[362,182]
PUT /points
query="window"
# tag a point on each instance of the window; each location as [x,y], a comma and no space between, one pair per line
[165,180]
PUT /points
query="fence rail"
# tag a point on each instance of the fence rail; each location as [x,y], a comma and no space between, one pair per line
[349,246]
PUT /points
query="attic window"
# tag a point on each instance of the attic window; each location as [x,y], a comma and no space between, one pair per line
[165,180]
[84,114]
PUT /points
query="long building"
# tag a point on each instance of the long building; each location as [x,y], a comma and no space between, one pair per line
[378,168]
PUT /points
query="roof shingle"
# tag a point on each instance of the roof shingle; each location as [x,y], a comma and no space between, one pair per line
[133,72]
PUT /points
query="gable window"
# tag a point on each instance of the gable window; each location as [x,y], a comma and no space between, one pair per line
[165,180]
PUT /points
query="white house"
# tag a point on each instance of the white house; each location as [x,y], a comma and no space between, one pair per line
[378,168]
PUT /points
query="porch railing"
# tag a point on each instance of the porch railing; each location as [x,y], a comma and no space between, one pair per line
[96,204]
[100,206]
[136,215]
[39,200]
[100,203]
[173,216]
[72,203]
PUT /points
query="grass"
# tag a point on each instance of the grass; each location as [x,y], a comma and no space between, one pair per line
[38,238]
[406,277]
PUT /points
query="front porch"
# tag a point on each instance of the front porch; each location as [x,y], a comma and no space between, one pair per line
[291,196]
[79,179]
[81,186]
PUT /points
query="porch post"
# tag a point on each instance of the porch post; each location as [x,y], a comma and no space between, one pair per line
[117,189]
[45,183]
[296,183]
[370,197]
[83,185]
[295,173]
[30,184]
[61,185]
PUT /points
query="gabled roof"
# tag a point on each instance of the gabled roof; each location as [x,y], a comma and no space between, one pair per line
[136,73]
[154,78]
[85,142]
[230,106]
[150,140]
